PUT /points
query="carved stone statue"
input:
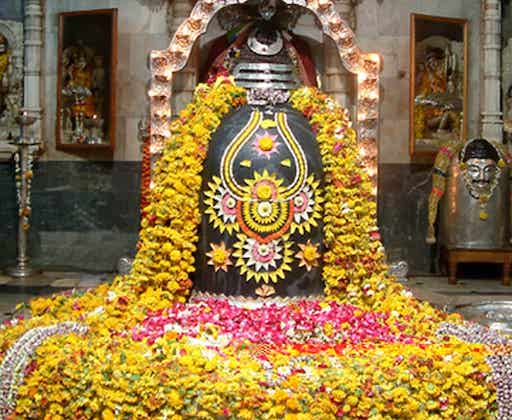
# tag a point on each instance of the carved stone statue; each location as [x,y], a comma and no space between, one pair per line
[433,77]
[11,77]
[84,85]
[10,96]
[438,100]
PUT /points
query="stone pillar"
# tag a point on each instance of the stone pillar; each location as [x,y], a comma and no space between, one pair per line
[32,80]
[506,84]
[492,123]
[336,80]
[506,77]
[185,80]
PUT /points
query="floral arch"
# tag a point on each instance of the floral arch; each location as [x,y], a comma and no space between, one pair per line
[164,63]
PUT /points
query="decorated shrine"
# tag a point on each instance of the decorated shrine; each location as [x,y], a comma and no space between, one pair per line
[259,286]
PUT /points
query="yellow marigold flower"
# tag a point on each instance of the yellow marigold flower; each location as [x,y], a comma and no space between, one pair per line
[162,278]
[107,414]
[292,404]
[245,414]
[175,256]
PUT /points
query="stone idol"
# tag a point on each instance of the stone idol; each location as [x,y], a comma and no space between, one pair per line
[471,186]
[84,89]
[439,88]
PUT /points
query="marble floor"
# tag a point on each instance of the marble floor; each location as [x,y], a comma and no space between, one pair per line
[434,289]
[470,290]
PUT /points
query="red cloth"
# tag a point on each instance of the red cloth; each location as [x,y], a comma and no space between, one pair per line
[306,63]
[219,46]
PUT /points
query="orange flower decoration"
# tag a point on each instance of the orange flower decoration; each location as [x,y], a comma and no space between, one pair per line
[219,257]
[308,255]
[265,291]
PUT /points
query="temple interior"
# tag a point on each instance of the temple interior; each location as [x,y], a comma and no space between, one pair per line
[255,209]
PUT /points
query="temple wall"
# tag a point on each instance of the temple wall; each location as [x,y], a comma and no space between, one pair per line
[383,26]
[140,30]
[11,10]
[506,67]
[86,206]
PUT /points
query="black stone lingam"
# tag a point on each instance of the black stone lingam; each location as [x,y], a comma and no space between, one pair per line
[261,201]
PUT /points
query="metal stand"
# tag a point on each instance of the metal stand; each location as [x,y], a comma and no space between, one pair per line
[25,144]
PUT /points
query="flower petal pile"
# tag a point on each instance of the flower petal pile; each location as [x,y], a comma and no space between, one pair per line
[309,322]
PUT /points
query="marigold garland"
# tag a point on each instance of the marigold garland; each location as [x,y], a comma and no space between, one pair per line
[354,268]
[145,177]
[168,236]
[354,260]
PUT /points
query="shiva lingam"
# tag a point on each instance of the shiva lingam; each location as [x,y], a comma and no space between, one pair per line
[26,147]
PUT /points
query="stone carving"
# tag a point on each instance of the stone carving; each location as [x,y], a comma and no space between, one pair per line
[84,78]
[439,88]
[492,123]
[11,77]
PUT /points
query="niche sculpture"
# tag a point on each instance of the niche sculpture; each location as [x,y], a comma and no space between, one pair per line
[11,78]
